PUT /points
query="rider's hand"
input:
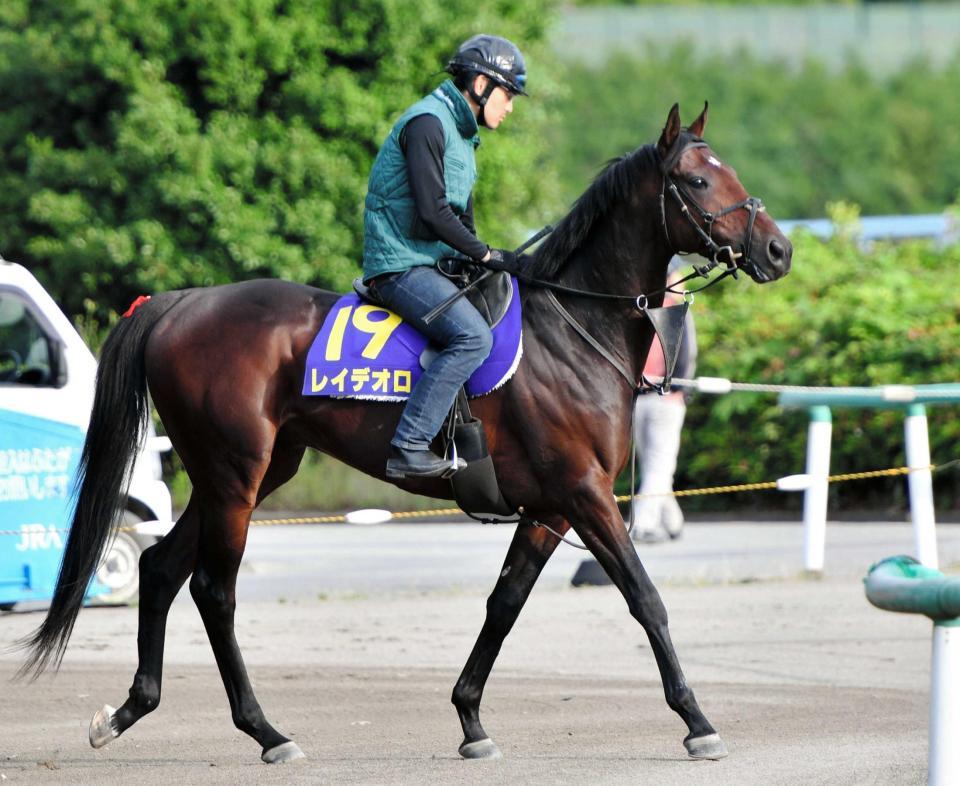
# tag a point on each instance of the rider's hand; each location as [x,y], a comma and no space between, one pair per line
[501,259]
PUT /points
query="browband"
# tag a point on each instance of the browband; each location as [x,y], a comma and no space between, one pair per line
[682,144]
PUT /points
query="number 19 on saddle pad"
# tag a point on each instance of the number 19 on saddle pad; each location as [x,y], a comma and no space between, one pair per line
[364,351]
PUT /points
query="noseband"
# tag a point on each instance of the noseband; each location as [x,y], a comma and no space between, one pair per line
[719,255]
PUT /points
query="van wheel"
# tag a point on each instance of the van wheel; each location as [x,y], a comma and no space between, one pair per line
[120,568]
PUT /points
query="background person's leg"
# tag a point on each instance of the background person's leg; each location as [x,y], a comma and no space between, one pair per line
[667,424]
[658,422]
[645,510]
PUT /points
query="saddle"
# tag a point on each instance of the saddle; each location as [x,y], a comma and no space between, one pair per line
[475,488]
[489,291]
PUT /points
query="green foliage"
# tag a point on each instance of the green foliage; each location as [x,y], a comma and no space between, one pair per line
[708,2]
[843,316]
[798,139]
[157,144]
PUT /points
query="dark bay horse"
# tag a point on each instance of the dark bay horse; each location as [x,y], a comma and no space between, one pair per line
[225,365]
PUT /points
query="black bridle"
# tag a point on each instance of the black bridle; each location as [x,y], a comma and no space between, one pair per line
[725,256]
[719,255]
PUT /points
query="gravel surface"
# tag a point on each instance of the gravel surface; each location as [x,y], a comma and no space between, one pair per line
[805,681]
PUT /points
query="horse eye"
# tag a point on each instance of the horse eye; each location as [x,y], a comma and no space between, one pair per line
[697,182]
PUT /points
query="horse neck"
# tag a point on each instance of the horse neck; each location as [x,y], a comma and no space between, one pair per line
[624,255]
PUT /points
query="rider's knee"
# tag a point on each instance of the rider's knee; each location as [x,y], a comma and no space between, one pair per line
[478,341]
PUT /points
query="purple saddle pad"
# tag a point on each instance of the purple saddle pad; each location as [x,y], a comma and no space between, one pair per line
[367,352]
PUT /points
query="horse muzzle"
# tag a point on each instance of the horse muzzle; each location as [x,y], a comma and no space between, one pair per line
[770,261]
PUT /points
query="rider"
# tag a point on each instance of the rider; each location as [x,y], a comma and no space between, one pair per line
[419,208]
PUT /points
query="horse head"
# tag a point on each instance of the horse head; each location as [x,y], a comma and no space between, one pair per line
[705,208]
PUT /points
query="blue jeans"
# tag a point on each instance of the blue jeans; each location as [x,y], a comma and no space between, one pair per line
[460,333]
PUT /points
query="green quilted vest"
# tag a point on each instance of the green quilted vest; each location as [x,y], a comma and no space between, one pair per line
[393,237]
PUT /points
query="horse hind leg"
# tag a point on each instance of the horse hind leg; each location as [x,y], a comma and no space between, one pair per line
[284,464]
[528,553]
[164,567]
[213,591]
[225,517]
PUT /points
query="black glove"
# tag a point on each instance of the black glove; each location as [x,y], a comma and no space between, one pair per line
[502,259]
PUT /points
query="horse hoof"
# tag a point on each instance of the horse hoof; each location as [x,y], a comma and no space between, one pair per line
[709,746]
[101,727]
[287,751]
[481,749]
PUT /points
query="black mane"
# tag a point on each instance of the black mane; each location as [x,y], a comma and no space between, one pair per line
[612,186]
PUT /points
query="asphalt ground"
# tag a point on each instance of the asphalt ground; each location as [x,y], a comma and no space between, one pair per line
[806,682]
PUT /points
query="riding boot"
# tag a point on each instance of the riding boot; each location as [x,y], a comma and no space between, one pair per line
[403,463]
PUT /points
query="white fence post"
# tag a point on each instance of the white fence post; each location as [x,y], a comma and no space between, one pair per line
[944,758]
[903,585]
[920,484]
[815,497]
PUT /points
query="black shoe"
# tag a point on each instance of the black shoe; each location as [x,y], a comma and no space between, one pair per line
[419,464]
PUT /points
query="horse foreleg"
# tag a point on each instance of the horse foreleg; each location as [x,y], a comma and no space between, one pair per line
[601,528]
[528,553]
[163,569]
[213,588]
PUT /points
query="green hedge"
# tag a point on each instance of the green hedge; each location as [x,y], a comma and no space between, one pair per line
[148,145]
[798,139]
[711,2]
[843,316]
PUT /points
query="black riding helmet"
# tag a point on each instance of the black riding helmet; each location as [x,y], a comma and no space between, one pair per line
[494,57]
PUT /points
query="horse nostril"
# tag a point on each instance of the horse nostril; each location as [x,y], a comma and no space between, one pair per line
[779,253]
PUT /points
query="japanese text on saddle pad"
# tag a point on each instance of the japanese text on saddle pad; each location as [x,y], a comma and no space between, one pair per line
[367,352]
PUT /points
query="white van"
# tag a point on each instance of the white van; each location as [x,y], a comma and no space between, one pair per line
[47,379]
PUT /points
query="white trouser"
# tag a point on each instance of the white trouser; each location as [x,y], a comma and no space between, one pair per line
[657,423]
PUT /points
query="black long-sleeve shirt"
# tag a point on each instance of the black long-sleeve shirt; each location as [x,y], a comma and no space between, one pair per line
[423,145]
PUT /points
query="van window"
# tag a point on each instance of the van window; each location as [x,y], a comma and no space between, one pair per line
[25,356]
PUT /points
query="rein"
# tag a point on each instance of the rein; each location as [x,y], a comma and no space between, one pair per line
[639,300]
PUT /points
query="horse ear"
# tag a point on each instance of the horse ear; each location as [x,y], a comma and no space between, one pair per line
[670,131]
[697,126]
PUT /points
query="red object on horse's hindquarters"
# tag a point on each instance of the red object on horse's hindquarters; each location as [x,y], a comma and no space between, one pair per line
[225,365]
[135,305]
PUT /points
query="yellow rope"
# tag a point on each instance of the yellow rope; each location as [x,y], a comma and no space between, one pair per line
[772,484]
[407,514]
[411,514]
[302,520]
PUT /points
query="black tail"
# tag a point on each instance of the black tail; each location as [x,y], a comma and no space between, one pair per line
[117,427]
